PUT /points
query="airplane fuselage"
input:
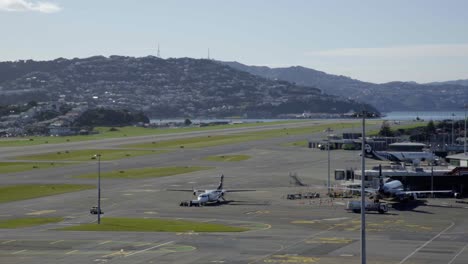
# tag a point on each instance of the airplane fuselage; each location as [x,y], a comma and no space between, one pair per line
[210,196]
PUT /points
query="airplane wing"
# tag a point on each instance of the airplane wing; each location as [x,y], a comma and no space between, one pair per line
[239,191]
[367,190]
[416,192]
[184,190]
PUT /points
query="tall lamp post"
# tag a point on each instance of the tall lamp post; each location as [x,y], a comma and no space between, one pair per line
[328,130]
[363,193]
[453,135]
[98,156]
[464,137]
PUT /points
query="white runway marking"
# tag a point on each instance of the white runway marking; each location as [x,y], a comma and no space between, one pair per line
[71,252]
[55,242]
[336,219]
[105,242]
[9,241]
[146,249]
[17,252]
[454,257]
[425,244]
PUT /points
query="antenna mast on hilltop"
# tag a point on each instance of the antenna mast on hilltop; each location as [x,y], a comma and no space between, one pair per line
[159,53]
[208,53]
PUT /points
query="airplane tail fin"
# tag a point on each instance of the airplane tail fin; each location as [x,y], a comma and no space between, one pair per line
[369,152]
[220,186]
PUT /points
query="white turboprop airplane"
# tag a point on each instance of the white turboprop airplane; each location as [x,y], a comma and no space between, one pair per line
[410,157]
[210,196]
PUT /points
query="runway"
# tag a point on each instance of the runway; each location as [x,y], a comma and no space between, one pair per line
[281,230]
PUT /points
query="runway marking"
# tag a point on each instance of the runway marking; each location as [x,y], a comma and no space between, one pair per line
[55,242]
[71,252]
[304,222]
[17,252]
[346,255]
[329,240]
[150,212]
[290,259]
[9,241]
[141,251]
[258,212]
[454,257]
[41,212]
[120,252]
[293,244]
[190,233]
[105,242]
[336,219]
[425,244]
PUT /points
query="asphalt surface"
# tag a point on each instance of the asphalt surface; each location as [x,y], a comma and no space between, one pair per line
[282,231]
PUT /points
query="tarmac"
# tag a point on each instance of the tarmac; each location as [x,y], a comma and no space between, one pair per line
[315,230]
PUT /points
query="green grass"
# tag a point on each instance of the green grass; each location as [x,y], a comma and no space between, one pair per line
[144,172]
[197,142]
[10,167]
[129,131]
[395,127]
[153,225]
[27,222]
[209,141]
[227,158]
[30,191]
[87,154]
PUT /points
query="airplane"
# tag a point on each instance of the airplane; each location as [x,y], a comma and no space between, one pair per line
[410,157]
[209,196]
[394,189]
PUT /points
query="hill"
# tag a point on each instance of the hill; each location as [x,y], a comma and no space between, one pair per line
[181,87]
[392,96]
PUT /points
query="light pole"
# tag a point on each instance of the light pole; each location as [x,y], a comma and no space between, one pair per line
[328,130]
[453,135]
[464,137]
[363,193]
[432,179]
[98,156]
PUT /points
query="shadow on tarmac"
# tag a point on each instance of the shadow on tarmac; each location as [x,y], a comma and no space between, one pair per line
[411,206]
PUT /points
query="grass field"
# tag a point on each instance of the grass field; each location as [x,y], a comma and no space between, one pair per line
[209,141]
[27,222]
[144,172]
[30,191]
[129,131]
[395,127]
[88,154]
[10,167]
[153,225]
[227,158]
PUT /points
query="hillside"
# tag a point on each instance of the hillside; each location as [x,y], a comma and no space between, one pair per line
[162,88]
[456,82]
[392,96]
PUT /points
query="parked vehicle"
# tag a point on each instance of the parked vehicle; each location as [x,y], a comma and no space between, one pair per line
[355,206]
[94,210]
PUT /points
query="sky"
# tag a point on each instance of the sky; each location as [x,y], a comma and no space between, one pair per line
[370,40]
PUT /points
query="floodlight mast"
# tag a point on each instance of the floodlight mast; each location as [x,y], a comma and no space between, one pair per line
[98,156]
[363,193]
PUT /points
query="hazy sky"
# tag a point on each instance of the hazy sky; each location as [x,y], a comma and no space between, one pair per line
[370,40]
